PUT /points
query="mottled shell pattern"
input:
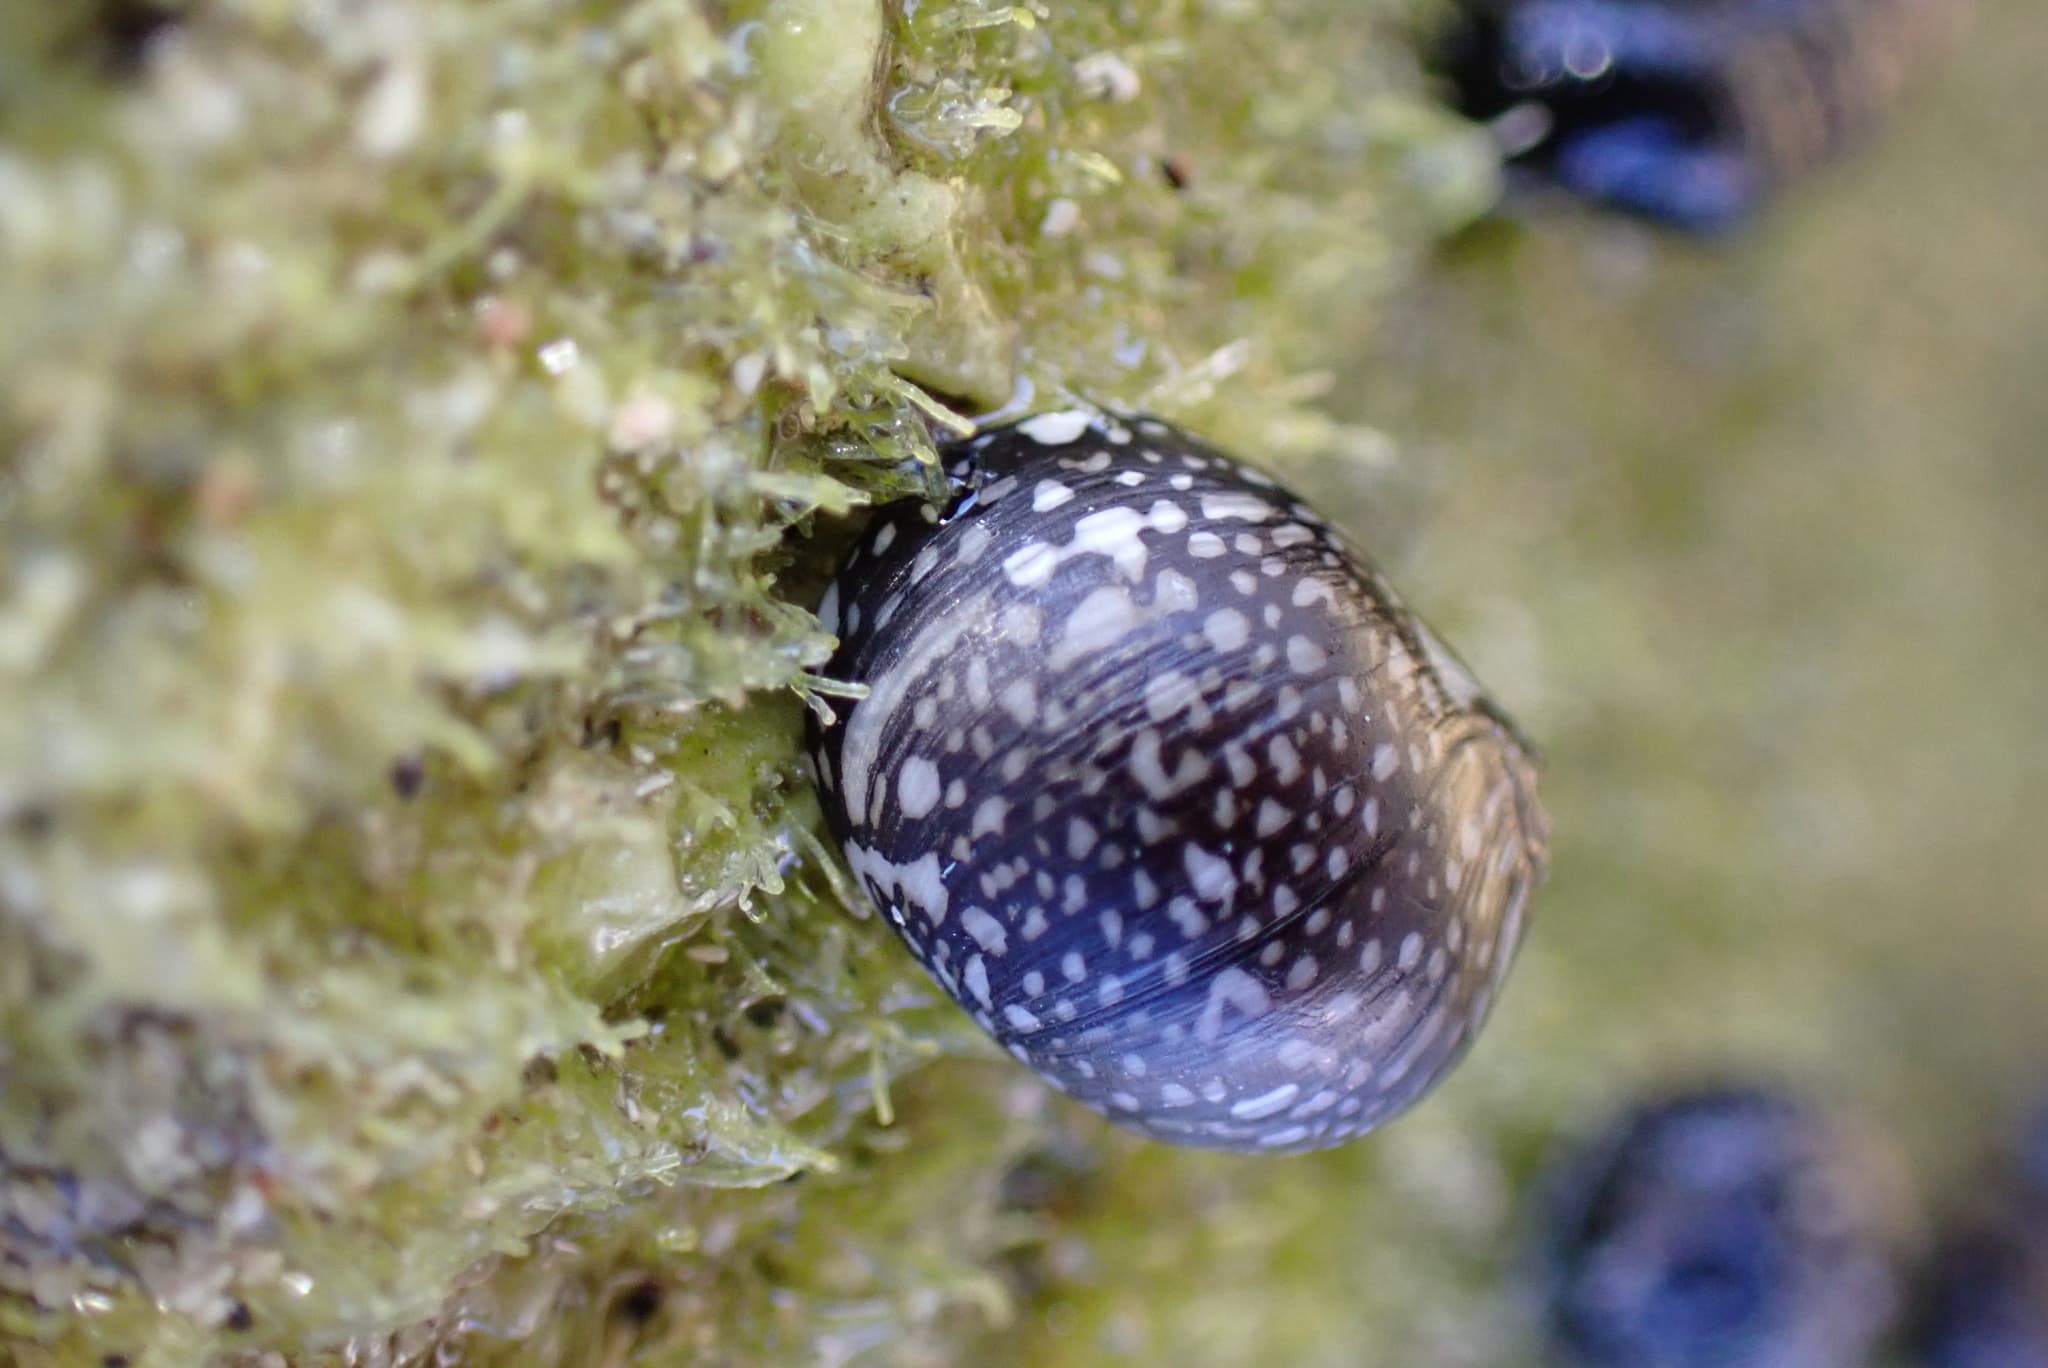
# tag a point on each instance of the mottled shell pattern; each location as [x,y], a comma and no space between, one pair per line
[1162,783]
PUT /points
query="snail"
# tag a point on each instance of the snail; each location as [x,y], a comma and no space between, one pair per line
[1723,1227]
[1689,113]
[1163,785]
[1985,1303]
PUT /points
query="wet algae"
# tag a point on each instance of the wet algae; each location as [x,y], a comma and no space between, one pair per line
[414,935]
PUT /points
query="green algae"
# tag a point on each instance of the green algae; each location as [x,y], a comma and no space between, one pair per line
[414,936]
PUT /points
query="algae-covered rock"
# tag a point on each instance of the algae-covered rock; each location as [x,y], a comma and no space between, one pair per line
[414,937]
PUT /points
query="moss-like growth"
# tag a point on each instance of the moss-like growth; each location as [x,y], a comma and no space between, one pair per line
[413,932]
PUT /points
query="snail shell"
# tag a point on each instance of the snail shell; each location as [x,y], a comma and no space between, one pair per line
[1163,785]
[1724,1226]
[1691,113]
[1984,1302]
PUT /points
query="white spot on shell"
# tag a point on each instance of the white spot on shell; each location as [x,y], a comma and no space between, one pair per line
[1148,767]
[1020,624]
[1185,915]
[1272,817]
[1291,534]
[1050,494]
[1234,989]
[1171,692]
[1305,656]
[921,881]
[977,981]
[1286,760]
[1056,429]
[988,933]
[1101,619]
[1225,504]
[1210,875]
[1173,592]
[1265,1104]
[1111,532]
[1226,629]
[1030,565]
[974,539]
[1020,700]
[1168,517]
[1297,1054]
[989,817]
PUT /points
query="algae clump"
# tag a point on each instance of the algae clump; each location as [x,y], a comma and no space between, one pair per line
[414,937]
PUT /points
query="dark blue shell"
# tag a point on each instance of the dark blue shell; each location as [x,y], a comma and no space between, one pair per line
[1986,1300]
[1722,1228]
[1686,111]
[1164,786]
[1988,1305]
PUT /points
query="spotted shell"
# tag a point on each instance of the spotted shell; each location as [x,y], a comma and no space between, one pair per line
[1688,111]
[1724,1226]
[1163,785]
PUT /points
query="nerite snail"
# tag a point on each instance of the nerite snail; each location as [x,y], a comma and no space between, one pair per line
[1724,1227]
[1162,783]
[1688,112]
